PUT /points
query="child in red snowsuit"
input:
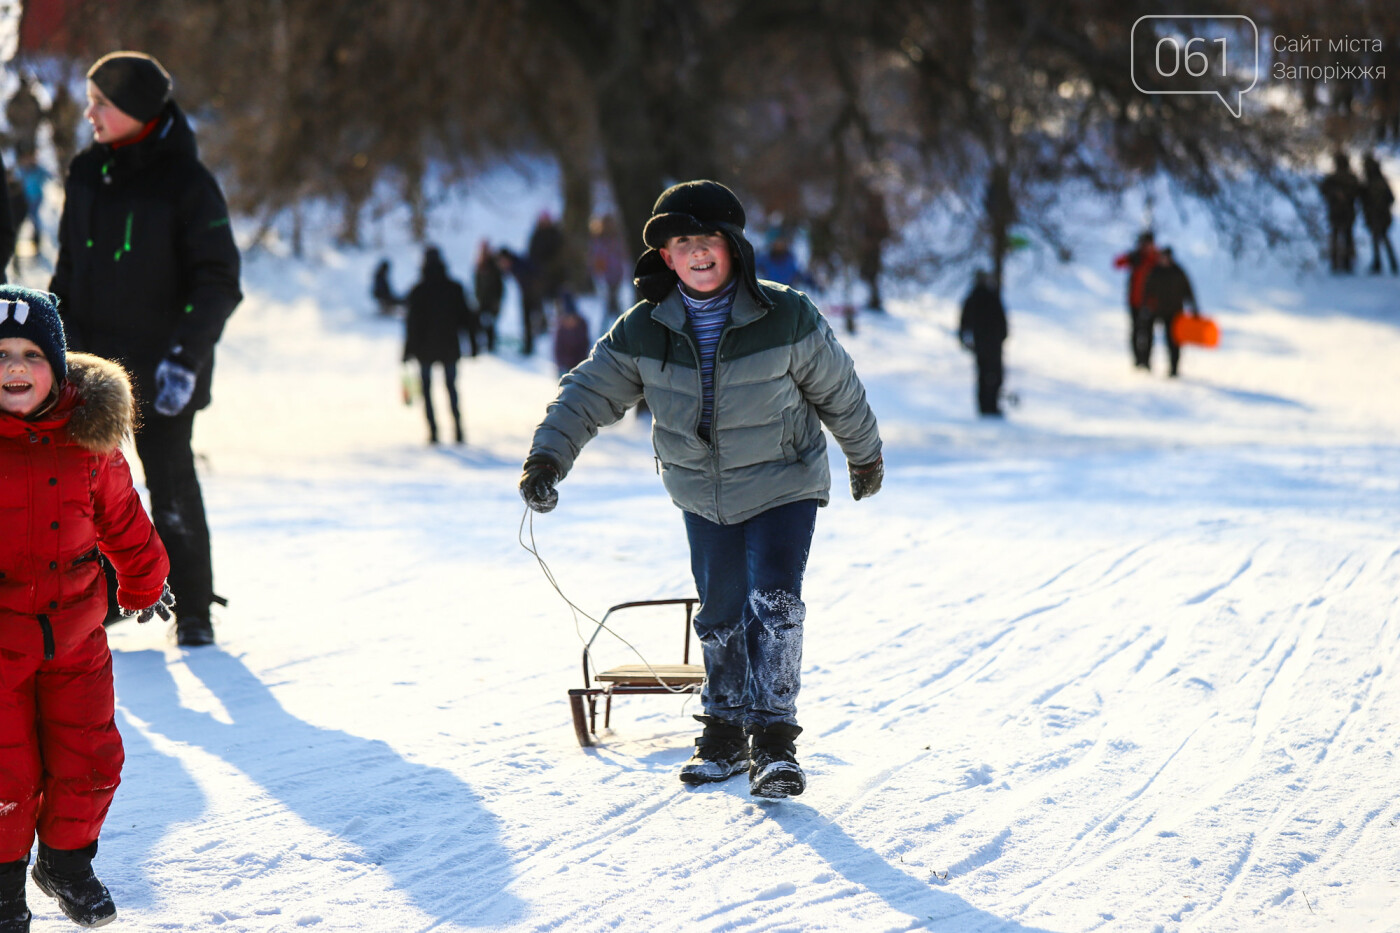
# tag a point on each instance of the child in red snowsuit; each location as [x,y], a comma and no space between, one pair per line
[65,494]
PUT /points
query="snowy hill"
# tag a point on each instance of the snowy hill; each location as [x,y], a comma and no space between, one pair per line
[1127,661]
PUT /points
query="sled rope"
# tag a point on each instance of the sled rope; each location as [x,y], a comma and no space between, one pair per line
[576,611]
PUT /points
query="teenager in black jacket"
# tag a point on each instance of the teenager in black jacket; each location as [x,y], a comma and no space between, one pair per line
[147,274]
[438,311]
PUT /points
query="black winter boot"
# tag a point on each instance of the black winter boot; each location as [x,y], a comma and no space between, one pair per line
[721,752]
[775,772]
[194,631]
[66,876]
[14,912]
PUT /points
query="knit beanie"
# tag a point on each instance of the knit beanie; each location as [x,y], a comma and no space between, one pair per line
[688,209]
[133,81]
[33,315]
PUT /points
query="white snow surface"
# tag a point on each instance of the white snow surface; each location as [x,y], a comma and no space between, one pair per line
[1126,661]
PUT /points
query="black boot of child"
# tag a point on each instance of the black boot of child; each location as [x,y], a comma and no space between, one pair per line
[66,876]
[775,772]
[14,912]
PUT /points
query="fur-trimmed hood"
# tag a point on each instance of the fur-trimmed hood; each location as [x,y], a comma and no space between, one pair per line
[103,411]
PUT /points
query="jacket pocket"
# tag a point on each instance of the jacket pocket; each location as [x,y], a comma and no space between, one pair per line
[789,436]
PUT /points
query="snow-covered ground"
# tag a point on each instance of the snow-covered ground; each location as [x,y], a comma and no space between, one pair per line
[1127,661]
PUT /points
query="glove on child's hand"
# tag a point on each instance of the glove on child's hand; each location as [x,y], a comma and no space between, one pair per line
[174,387]
[163,607]
[537,484]
[865,480]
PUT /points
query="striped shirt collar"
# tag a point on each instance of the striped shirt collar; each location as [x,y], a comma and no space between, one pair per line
[724,299]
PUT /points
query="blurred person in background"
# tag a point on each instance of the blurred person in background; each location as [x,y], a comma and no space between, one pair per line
[489,287]
[1167,293]
[607,260]
[438,311]
[32,177]
[547,256]
[1340,191]
[1140,262]
[382,291]
[1377,204]
[24,114]
[63,115]
[571,343]
[527,280]
[12,200]
[982,330]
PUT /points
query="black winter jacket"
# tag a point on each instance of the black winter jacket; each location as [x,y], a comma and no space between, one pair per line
[1168,290]
[983,317]
[147,266]
[437,313]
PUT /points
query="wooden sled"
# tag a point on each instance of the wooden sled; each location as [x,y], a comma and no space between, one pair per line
[631,679]
[1197,331]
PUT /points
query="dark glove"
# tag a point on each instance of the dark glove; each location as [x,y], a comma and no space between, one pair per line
[162,607]
[865,480]
[174,387]
[967,341]
[537,484]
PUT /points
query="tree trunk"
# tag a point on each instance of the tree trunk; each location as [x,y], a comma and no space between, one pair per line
[577,173]
[630,148]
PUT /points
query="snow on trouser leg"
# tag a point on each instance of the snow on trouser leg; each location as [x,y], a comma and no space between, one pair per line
[717,563]
[775,655]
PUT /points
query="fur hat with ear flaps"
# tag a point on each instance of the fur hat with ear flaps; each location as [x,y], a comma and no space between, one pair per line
[689,208]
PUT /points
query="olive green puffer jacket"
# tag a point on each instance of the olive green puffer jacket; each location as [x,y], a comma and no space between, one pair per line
[779,376]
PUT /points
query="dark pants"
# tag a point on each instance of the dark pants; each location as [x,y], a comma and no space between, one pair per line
[1380,240]
[177,508]
[749,579]
[488,326]
[1144,334]
[449,371]
[1140,334]
[989,377]
[1342,245]
[533,321]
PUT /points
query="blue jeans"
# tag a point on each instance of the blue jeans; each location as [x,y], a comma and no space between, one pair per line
[749,579]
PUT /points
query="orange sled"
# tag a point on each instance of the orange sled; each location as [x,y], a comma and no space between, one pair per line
[1201,331]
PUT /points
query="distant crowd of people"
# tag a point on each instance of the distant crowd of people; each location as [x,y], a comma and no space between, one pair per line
[438,308]
[25,115]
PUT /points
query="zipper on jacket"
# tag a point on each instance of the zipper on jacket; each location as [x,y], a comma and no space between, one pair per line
[47,629]
[126,245]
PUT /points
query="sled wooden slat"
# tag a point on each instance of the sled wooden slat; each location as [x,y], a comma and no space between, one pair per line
[631,679]
[673,674]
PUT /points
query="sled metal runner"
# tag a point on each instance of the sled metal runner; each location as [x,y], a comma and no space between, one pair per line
[631,679]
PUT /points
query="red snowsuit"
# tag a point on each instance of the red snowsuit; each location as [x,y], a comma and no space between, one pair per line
[65,492]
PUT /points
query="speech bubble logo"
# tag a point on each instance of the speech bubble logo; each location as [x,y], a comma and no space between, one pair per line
[1202,55]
